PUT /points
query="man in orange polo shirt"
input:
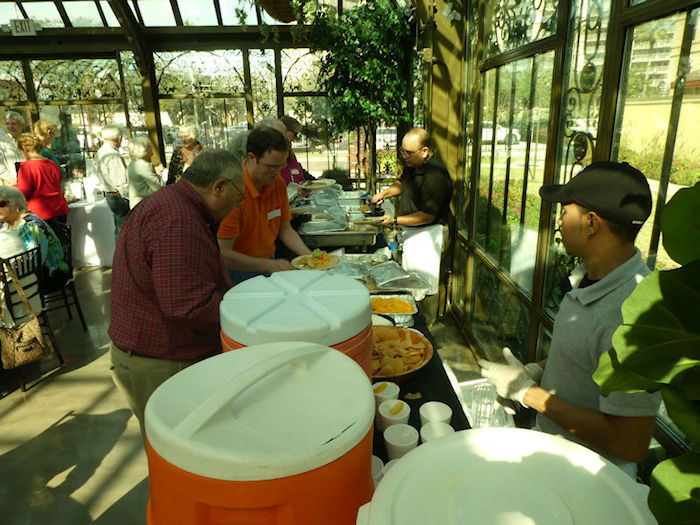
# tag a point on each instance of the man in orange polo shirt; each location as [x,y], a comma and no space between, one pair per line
[247,235]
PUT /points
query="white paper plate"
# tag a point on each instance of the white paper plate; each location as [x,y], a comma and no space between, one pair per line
[301,263]
[317,184]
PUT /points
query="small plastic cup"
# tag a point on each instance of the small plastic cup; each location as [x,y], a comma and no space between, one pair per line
[435,411]
[388,466]
[400,440]
[434,430]
[392,412]
[377,469]
[385,390]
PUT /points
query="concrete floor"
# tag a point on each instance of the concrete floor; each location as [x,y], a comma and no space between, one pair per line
[70,450]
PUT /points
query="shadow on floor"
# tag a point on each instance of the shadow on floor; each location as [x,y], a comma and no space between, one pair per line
[40,475]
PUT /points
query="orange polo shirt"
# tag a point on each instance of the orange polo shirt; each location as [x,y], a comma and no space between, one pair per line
[256,222]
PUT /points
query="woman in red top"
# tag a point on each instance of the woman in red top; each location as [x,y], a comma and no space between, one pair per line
[39,179]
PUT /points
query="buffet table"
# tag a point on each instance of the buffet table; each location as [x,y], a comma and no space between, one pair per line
[433,384]
[92,225]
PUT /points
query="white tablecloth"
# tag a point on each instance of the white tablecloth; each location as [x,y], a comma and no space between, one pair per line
[92,225]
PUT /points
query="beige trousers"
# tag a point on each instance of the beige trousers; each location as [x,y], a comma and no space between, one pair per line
[137,377]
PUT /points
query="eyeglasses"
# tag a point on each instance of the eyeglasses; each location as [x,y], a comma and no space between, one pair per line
[3,204]
[241,194]
[408,153]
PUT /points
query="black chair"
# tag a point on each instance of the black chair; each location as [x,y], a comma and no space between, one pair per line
[66,296]
[27,266]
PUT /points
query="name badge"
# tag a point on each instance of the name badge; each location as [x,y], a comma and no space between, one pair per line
[295,172]
[274,213]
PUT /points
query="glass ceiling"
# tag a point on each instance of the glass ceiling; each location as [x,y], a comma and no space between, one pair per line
[150,13]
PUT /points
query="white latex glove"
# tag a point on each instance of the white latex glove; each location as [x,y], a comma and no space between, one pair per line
[511,380]
[533,369]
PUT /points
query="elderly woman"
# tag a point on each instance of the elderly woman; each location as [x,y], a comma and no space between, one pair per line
[39,179]
[143,179]
[10,155]
[184,155]
[47,132]
[34,232]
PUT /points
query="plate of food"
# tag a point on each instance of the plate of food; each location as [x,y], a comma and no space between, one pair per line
[398,353]
[317,184]
[367,220]
[318,260]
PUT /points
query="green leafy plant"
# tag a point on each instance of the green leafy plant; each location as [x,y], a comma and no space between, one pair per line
[366,52]
[657,348]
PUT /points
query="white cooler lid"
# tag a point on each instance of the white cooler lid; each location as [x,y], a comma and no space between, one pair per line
[299,305]
[261,412]
[505,475]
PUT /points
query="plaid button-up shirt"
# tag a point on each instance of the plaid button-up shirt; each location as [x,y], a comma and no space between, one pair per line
[168,278]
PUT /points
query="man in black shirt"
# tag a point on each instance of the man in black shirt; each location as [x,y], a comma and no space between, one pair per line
[425,186]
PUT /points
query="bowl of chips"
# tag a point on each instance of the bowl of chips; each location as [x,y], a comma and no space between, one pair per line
[398,353]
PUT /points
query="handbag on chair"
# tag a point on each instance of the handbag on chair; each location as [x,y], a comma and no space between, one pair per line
[25,342]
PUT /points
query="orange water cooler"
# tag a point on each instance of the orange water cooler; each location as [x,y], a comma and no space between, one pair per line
[277,433]
[313,306]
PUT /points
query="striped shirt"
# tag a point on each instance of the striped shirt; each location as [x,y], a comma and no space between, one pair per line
[168,278]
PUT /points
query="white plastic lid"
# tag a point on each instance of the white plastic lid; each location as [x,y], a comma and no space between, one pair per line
[261,412]
[300,305]
[505,475]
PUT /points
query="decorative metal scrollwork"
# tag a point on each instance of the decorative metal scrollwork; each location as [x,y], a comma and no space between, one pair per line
[300,70]
[80,79]
[12,84]
[514,23]
[199,72]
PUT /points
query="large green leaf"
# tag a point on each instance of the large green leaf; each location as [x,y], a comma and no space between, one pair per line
[674,495]
[611,376]
[660,337]
[680,224]
[684,412]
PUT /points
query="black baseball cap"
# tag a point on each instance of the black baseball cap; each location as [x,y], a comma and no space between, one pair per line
[616,191]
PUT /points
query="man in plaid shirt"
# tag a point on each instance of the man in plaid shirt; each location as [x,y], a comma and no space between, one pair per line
[168,278]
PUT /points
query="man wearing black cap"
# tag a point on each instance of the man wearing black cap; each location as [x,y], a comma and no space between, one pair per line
[603,208]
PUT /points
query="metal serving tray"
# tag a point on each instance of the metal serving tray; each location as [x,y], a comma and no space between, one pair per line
[364,239]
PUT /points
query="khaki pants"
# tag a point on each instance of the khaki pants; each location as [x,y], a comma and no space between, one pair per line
[137,377]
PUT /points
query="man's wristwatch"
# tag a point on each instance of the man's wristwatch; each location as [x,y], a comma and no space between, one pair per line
[396,222]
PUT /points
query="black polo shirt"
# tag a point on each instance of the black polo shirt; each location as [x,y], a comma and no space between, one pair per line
[427,188]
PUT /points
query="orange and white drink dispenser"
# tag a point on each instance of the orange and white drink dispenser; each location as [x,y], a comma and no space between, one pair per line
[278,433]
[313,306]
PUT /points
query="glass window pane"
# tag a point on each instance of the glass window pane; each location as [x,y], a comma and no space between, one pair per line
[201,72]
[9,11]
[544,340]
[83,14]
[200,13]
[216,120]
[652,77]
[498,318]
[109,14]
[300,70]
[262,72]
[80,79]
[513,23]
[238,12]
[317,148]
[459,297]
[12,86]
[157,13]
[44,13]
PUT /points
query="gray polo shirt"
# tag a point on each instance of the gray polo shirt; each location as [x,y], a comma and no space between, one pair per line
[583,331]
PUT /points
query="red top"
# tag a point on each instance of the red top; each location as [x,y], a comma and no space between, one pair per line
[292,172]
[168,278]
[40,181]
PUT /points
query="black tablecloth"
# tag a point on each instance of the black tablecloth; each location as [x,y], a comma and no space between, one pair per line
[433,384]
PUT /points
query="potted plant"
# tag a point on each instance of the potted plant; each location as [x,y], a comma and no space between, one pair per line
[366,51]
[657,348]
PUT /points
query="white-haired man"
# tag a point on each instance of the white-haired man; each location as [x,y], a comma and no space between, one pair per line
[111,170]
